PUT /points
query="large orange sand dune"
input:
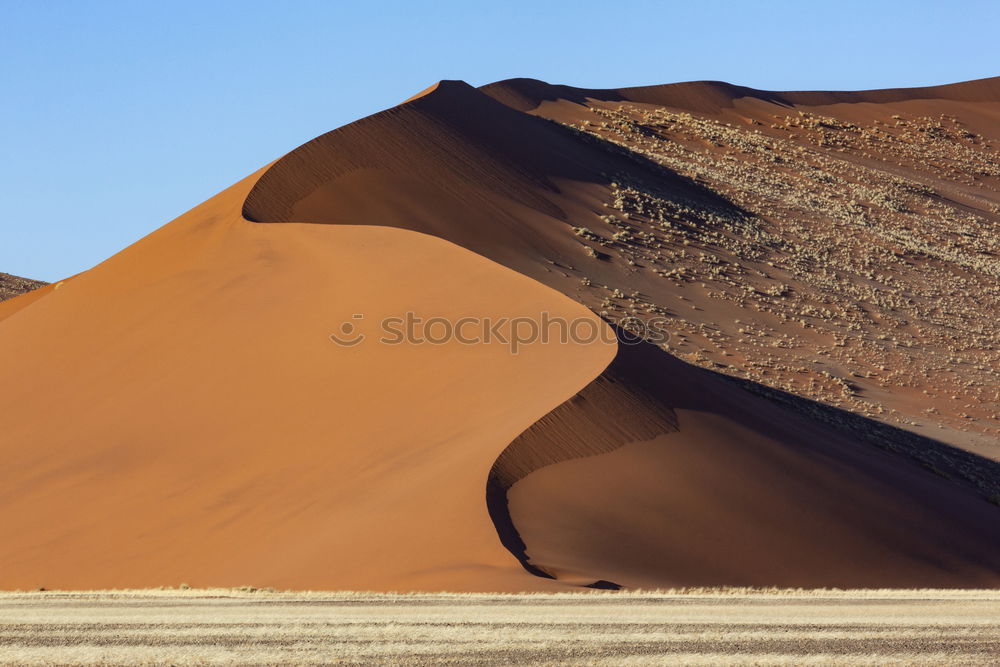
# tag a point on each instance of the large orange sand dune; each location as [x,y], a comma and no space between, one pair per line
[180,414]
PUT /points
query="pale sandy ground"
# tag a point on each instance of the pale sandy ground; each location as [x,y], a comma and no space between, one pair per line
[736,627]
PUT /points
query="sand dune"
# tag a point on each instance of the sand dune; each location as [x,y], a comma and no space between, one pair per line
[716,96]
[179,413]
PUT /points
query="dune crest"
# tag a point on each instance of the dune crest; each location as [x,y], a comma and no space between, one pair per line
[714,96]
[536,473]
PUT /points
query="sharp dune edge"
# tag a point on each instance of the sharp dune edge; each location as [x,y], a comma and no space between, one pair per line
[179,414]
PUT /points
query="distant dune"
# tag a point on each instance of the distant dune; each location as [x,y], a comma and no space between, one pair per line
[825,412]
[11,286]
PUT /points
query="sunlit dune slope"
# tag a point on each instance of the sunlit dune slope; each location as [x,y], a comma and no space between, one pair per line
[180,414]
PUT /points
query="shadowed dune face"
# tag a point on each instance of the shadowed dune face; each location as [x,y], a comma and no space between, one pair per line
[457,137]
[867,222]
[457,164]
[608,413]
[698,483]
[179,413]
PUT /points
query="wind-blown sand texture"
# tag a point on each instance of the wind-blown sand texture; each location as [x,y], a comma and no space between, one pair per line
[825,413]
[694,628]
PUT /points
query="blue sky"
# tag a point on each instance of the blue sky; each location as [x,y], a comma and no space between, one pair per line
[118,116]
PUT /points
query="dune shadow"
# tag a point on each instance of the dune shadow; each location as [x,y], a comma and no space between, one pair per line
[978,473]
[458,145]
[636,398]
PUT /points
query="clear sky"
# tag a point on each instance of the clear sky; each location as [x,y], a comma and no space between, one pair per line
[116,117]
